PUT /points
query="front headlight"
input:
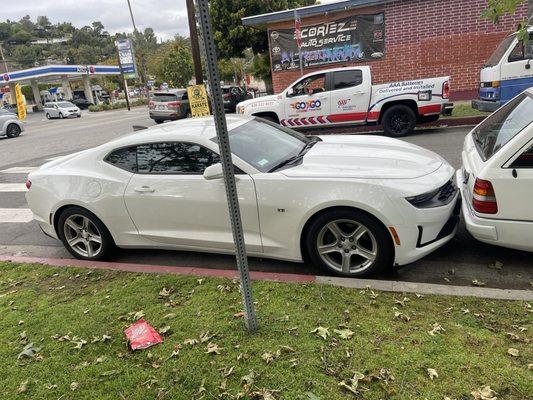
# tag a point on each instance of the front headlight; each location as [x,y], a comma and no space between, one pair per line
[423,200]
[240,110]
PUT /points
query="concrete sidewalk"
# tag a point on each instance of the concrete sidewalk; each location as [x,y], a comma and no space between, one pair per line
[388,286]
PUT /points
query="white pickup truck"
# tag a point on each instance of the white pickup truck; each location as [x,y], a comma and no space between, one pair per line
[346,96]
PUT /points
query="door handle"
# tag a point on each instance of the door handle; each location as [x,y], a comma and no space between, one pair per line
[358,93]
[144,189]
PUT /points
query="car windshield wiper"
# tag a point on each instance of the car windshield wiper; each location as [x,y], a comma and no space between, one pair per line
[298,156]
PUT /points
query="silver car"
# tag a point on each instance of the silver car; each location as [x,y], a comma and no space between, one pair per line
[61,109]
[169,105]
[10,126]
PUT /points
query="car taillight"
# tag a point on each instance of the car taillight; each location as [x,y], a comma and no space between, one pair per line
[174,104]
[446,90]
[28,184]
[484,199]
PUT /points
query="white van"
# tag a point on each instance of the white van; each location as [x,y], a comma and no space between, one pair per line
[507,73]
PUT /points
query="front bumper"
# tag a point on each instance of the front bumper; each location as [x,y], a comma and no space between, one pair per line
[485,105]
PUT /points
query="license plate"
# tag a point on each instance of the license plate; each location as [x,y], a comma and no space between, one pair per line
[161,107]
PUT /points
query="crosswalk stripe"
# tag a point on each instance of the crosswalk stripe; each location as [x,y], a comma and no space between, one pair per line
[19,170]
[12,187]
[15,215]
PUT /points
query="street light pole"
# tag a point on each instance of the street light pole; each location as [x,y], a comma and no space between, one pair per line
[143,75]
[195,46]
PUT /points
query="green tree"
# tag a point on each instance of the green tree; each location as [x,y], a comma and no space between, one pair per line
[231,36]
[497,8]
[178,66]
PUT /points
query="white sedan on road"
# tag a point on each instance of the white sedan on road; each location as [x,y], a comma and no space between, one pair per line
[497,176]
[352,204]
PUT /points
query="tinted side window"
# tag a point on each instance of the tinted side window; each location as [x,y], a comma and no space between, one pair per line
[524,160]
[346,79]
[125,158]
[518,51]
[174,158]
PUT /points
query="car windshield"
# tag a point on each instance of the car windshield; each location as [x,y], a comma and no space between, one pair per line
[499,128]
[495,58]
[65,104]
[264,145]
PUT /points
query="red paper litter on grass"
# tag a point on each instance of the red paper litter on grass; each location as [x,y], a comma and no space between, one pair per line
[142,335]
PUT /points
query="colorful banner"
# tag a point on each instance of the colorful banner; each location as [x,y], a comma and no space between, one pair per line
[21,107]
[355,38]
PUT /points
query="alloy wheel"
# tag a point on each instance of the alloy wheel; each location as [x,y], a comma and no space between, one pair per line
[399,122]
[82,235]
[13,130]
[347,246]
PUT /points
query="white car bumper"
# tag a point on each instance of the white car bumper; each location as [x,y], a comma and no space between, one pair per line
[511,234]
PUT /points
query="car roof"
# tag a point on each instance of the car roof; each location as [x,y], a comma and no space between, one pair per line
[170,91]
[203,127]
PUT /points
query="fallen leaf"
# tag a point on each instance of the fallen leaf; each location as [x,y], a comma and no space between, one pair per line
[513,352]
[190,342]
[164,329]
[322,332]
[23,388]
[100,359]
[432,373]
[345,334]
[476,282]
[437,328]
[239,315]
[165,293]
[74,386]
[204,337]
[264,394]
[169,316]
[497,265]
[29,351]
[484,393]
[212,348]
[402,316]
[267,357]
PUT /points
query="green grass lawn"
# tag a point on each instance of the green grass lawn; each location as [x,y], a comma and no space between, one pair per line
[76,318]
[462,109]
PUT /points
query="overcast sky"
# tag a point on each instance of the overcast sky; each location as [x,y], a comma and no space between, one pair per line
[166,17]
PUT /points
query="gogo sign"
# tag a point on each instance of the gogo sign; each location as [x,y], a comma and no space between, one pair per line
[307,105]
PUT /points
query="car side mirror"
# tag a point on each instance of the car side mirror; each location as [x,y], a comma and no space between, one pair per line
[214,172]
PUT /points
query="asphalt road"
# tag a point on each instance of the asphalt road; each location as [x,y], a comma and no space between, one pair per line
[459,262]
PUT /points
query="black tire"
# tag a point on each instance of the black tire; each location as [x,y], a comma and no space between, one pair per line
[48,116]
[60,116]
[78,116]
[382,247]
[159,121]
[107,242]
[13,130]
[399,120]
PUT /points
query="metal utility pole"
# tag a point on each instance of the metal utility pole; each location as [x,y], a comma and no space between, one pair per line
[143,68]
[3,58]
[195,46]
[227,164]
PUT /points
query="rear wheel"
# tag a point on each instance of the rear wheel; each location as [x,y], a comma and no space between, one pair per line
[399,120]
[349,243]
[84,235]
[159,121]
[13,130]
[60,116]
[48,116]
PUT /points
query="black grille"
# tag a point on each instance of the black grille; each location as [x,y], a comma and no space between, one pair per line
[447,192]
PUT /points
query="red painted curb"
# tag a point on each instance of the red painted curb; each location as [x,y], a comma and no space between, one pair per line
[159,269]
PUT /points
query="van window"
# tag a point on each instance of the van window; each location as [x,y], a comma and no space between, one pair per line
[497,55]
[518,52]
[502,126]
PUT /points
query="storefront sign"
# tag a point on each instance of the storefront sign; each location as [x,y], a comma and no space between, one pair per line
[198,101]
[355,38]
[126,58]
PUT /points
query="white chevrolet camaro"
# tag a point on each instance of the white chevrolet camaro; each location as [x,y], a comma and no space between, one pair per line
[352,204]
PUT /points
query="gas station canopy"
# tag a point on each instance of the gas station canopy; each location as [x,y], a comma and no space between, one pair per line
[57,73]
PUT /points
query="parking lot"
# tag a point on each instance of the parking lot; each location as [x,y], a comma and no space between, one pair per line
[460,262]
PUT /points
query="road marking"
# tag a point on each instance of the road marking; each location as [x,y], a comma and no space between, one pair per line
[15,215]
[12,187]
[19,170]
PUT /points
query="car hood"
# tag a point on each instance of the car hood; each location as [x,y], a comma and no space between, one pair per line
[370,157]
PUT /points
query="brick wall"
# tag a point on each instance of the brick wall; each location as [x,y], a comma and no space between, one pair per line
[425,38]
